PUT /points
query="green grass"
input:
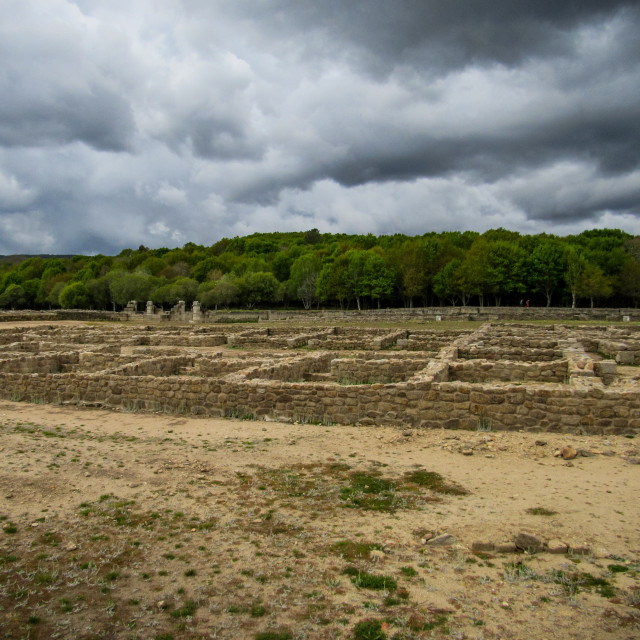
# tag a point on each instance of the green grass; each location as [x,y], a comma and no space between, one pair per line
[366,580]
[434,482]
[369,630]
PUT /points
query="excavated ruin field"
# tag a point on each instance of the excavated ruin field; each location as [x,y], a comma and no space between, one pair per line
[295,482]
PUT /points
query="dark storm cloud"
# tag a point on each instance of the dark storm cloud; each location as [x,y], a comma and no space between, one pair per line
[56,87]
[163,121]
[442,35]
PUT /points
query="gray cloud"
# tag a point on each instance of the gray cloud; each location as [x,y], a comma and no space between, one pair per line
[162,122]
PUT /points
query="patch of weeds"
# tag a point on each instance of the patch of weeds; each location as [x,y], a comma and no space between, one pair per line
[189,573]
[516,571]
[618,568]
[351,550]
[10,528]
[369,629]
[408,572]
[541,511]
[366,580]
[258,610]
[573,582]
[284,634]
[186,610]
[7,559]
[371,492]
[434,482]
[65,605]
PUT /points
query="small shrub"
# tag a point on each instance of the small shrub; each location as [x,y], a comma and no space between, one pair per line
[369,630]
[541,511]
[186,610]
[274,635]
[365,580]
[434,482]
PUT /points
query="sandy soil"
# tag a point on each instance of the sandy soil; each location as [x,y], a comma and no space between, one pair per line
[122,525]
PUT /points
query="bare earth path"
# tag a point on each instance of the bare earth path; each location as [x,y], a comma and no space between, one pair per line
[120,525]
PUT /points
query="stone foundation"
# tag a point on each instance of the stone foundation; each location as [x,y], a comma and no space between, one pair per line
[557,382]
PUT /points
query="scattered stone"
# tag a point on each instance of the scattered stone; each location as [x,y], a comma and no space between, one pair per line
[568,453]
[529,542]
[506,547]
[582,549]
[557,546]
[71,547]
[467,452]
[540,443]
[407,433]
[483,546]
[444,540]
[585,453]
[601,553]
[9,496]
[632,460]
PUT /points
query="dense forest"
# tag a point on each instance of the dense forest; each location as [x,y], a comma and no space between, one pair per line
[311,269]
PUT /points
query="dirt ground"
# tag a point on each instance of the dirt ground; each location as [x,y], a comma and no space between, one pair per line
[124,525]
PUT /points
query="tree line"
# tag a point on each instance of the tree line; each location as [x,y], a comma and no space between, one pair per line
[308,269]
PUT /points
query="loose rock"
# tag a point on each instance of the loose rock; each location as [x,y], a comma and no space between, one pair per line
[444,540]
[529,542]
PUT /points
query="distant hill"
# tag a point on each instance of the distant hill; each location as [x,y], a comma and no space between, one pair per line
[18,258]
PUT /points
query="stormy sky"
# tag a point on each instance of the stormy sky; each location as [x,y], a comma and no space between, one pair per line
[160,122]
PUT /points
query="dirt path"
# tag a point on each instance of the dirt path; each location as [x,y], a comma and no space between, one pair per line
[156,526]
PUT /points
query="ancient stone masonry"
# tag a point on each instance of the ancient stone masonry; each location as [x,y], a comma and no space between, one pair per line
[498,376]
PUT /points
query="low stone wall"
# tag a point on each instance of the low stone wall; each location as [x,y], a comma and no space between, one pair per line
[39,364]
[163,366]
[622,352]
[480,352]
[291,369]
[421,404]
[367,371]
[506,371]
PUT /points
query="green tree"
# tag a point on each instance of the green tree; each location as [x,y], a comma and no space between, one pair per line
[630,281]
[304,279]
[378,279]
[504,268]
[546,266]
[594,284]
[13,297]
[75,296]
[225,293]
[258,288]
[576,265]
[333,283]
[131,286]
[446,284]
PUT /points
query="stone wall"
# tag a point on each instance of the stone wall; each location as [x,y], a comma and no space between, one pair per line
[507,371]
[421,404]
[574,390]
[369,371]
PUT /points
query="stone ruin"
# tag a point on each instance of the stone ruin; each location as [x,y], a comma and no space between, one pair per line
[495,377]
